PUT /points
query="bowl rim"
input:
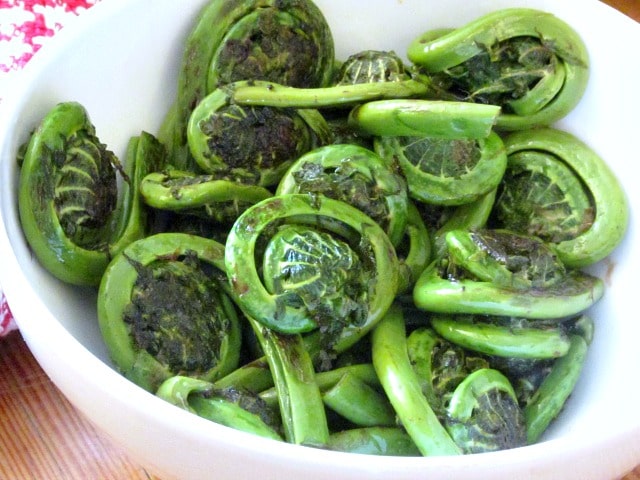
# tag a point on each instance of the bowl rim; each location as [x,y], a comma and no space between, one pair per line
[16,286]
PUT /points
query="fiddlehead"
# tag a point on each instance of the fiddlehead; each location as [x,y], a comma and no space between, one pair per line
[251,144]
[560,190]
[163,310]
[414,251]
[548,400]
[505,337]
[287,42]
[417,117]
[403,387]
[503,273]
[363,77]
[374,441]
[275,95]
[483,414]
[469,216]
[354,175]
[446,172]
[371,66]
[205,196]
[229,407]
[440,366]
[70,208]
[312,280]
[529,62]
[294,297]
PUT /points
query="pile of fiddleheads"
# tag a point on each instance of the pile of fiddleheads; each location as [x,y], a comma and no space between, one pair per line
[366,255]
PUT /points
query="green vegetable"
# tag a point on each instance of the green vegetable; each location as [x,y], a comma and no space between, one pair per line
[205,196]
[550,398]
[287,42]
[559,189]
[301,407]
[363,77]
[455,288]
[583,326]
[311,279]
[483,414]
[447,172]
[391,361]
[525,374]
[354,175]
[251,144]
[70,210]
[371,66]
[330,280]
[162,314]
[470,216]
[374,441]
[433,118]
[356,256]
[529,62]
[275,95]
[504,339]
[227,407]
[508,260]
[363,373]
[415,251]
[254,376]
[359,403]
[440,366]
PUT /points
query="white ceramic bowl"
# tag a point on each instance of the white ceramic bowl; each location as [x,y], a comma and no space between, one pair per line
[120,61]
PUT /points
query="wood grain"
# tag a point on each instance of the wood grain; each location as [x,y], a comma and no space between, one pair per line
[42,436]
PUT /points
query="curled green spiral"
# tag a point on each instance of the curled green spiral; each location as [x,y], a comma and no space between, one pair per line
[71,211]
[251,144]
[558,188]
[287,42]
[529,62]
[354,175]
[163,310]
[447,171]
[511,275]
[292,310]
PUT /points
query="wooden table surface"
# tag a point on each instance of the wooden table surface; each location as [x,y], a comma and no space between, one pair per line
[43,437]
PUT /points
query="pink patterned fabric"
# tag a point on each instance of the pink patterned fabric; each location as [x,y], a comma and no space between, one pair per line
[7,324]
[26,25]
